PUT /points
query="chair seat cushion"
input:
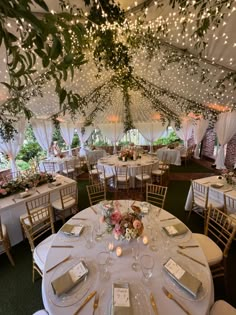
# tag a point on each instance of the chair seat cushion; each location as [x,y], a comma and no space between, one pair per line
[70,202]
[144,177]
[25,215]
[221,307]
[41,312]
[158,172]
[211,250]
[41,251]
[93,172]
[122,178]
[201,203]
[70,170]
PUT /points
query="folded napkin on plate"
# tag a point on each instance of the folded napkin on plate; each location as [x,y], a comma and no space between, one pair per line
[175,229]
[24,194]
[145,206]
[71,229]
[55,184]
[184,278]
[217,185]
[121,299]
[69,279]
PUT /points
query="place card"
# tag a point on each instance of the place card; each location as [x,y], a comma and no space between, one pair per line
[184,278]
[120,299]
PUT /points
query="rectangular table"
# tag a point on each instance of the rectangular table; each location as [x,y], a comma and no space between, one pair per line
[216,194]
[12,207]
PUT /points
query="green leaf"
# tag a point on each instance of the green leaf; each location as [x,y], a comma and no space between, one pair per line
[45,61]
[56,49]
[62,95]
[42,4]
[68,59]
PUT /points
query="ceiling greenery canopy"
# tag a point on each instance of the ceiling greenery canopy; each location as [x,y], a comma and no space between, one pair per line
[105,58]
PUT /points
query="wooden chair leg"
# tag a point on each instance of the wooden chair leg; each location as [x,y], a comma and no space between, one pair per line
[7,247]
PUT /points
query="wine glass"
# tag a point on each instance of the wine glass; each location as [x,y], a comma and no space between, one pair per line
[135,254]
[88,236]
[147,265]
[103,265]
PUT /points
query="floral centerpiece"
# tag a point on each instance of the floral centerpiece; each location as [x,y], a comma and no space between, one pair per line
[26,181]
[230,176]
[128,154]
[123,225]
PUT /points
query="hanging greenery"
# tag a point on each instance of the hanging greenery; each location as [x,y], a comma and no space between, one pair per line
[59,42]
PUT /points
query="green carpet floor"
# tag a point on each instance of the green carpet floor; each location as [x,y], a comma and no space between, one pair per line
[18,295]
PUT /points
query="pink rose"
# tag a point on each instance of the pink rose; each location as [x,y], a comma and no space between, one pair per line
[102,219]
[115,217]
[137,224]
[3,191]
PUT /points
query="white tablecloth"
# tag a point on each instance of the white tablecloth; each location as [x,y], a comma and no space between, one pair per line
[171,156]
[134,167]
[216,194]
[121,270]
[59,163]
[13,207]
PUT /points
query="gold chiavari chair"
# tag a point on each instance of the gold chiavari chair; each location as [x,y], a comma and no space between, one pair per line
[145,175]
[5,242]
[93,173]
[122,177]
[41,224]
[217,239]
[96,193]
[69,168]
[49,167]
[67,203]
[222,307]
[156,195]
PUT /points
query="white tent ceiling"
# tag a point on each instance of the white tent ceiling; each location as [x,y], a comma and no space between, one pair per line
[218,59]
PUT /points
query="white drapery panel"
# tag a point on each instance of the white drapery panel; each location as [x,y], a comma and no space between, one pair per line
[83,133]
[43,131]
[186,130]
[225,130]
[67,132]
[113,131]
[12,147]
[199,130]
[151,130]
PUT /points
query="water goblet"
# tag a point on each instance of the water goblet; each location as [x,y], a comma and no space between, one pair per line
[88,236]
[147,265]
[103,265]
[98,231]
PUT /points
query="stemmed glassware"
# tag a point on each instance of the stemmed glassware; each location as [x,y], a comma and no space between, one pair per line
[88,236]
[147,265]
[103,265]
[135,254]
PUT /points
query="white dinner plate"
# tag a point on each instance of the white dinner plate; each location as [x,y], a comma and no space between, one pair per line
[198,271]
[79,291]
[139,299]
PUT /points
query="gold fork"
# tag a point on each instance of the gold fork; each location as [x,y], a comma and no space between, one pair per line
[95,303]
[171,297]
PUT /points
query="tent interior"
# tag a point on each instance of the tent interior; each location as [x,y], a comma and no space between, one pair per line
[178,79]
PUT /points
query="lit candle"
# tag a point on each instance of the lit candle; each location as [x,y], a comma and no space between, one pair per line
[26,189]
[110,246]
[145,240]
[118,251]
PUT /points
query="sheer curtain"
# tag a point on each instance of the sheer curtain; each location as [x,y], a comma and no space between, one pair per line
[113,131]
[199,130]
[151,131]
[83,133]
[186,130]
[12,147]
[225,130]
[43,131]
[67,132]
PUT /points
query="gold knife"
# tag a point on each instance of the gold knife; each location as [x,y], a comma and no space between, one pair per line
[88,298]
[153,303]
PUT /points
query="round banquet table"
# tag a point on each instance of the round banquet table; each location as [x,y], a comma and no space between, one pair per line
[121,268]
[171,156]
[134,167]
